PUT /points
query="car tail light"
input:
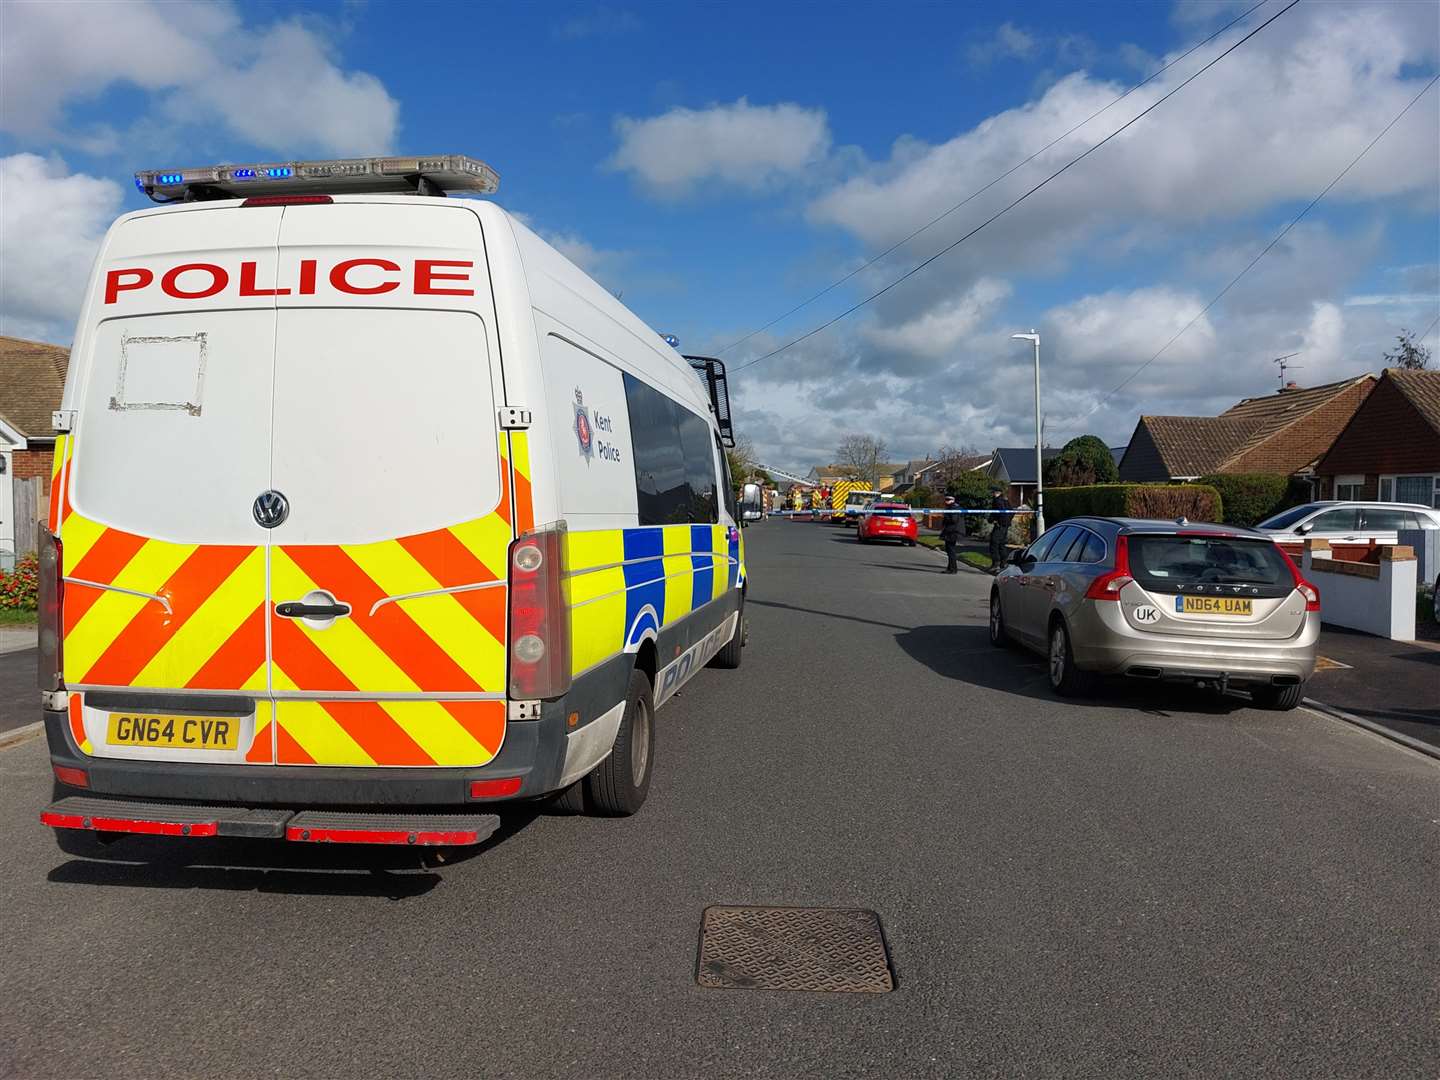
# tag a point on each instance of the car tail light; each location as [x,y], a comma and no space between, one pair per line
[1109,585]
[51,587]
[72,776]
[495,789]
[539,624]
[1303,587]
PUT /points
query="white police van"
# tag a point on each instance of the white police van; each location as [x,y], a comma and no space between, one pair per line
[369,507]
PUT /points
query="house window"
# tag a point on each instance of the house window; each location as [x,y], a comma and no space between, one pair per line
[1423,489]
[1348,487]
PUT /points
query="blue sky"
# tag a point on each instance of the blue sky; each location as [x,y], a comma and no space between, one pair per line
[717,164]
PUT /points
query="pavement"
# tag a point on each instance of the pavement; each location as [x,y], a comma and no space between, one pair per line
[16,638]
[1393,683]
[1148,883]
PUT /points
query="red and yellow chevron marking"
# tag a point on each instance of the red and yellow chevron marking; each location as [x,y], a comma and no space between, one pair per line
[518,455]
[213,636]
[77,724]
[418,733]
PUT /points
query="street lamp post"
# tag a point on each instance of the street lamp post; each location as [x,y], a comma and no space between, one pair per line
[1034,336]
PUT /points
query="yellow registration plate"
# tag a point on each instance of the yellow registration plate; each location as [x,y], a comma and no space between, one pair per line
[178,732]
[1212,605]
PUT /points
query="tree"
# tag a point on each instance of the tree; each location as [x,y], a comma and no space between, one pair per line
[971,489]
[1409,353]
[951,462]
[742,461]
[860,456]
[1083,460]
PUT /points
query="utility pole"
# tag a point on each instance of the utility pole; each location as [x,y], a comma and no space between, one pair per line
[1034,336]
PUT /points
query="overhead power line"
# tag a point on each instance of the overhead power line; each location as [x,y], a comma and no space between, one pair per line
[1426,334]
[1263,251]
[980,191]
[1016,202]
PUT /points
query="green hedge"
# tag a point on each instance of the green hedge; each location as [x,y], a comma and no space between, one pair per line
[1198,502]
[1249,498]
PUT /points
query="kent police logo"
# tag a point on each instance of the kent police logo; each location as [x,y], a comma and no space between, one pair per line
[584,432]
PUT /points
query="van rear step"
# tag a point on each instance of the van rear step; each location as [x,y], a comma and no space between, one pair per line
[314,826]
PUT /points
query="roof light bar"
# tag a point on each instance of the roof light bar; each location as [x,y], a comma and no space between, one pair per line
[436,174]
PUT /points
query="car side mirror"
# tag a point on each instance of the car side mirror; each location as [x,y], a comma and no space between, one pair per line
[1017,558]
[1305,528]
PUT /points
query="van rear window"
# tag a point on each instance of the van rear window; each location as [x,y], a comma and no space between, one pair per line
[1166,563]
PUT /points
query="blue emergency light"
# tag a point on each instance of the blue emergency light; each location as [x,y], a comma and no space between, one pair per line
[433,175]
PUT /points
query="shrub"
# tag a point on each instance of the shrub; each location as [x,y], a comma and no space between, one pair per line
[972,492]
[19,588]
[1198,502]
[1249,498]
[1083,460]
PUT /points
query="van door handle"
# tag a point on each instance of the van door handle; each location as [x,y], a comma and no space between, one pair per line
[294,609]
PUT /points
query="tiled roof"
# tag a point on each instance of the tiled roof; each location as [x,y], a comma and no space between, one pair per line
[32,377]
[1275,411]
[1421,389]
[1197,445]
[1019,462]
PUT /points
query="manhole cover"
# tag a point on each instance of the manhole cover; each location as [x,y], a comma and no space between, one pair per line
[841,950]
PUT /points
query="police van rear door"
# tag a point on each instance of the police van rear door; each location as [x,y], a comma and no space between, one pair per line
[387,577]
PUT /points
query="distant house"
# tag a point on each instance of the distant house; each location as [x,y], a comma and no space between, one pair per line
[904,479]
[1390,449]
[829,475]
[1012,468]
[32,377]
[1284,433]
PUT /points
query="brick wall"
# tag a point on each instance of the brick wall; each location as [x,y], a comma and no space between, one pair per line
[1296,446]
[1387,436]
[34,462]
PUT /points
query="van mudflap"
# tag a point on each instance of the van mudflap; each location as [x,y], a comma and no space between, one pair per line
[305,826]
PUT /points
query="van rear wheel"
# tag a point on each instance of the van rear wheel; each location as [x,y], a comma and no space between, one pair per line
[729,655]
[619,784]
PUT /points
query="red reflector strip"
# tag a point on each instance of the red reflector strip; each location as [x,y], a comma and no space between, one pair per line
[417,837]
[128,825]
[74,777]
[495,789]
[287,200]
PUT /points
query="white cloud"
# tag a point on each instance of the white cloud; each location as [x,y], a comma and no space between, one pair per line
[1009,42]
[600,22]
[277,87]
[52,221]
[937,331]
[740,145]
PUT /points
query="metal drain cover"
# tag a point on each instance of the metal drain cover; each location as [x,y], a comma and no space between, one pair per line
[841,950]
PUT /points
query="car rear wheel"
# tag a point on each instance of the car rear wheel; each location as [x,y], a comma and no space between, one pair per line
[619,784]
[1278,698]
[1066,679]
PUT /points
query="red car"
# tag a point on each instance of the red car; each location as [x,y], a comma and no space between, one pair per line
[888,521]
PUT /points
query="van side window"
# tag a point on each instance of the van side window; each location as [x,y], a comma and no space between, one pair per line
[662,490]
[699,468]
[727,483]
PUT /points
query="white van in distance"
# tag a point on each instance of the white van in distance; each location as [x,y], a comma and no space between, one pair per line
[369,507]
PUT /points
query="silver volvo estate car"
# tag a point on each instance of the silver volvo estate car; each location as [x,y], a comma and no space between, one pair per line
[1197,603]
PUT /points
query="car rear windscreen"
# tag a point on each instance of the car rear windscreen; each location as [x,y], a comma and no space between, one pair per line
[1171,563]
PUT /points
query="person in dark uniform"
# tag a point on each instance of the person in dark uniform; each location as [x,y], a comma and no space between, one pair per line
[999,528]
[950,529]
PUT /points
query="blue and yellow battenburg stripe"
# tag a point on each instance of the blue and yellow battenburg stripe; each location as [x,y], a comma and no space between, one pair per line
[622,583]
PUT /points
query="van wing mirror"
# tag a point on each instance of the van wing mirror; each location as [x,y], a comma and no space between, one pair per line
[750,500]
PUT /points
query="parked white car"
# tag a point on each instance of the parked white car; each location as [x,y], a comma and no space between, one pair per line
[1349,522]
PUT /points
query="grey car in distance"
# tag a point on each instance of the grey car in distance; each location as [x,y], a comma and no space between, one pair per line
[1193,603]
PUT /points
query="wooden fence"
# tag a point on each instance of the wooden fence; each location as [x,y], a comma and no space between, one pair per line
[28,512]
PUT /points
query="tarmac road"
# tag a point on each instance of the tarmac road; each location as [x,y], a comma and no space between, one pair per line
[1150,884]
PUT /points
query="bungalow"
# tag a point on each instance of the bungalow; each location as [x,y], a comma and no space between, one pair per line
[1284,433]
[1012,468]
[1390,449]
[32,376]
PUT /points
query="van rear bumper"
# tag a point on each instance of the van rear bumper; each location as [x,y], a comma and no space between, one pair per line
[527,753]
